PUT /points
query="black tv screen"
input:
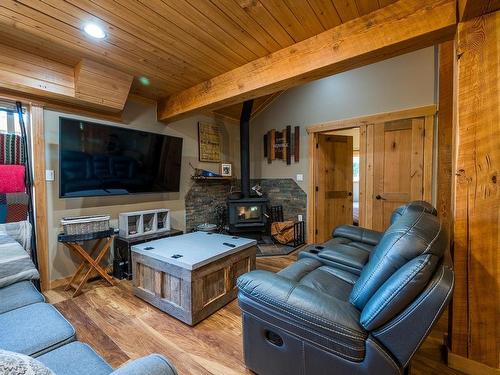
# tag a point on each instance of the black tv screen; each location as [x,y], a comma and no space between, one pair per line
[99,160]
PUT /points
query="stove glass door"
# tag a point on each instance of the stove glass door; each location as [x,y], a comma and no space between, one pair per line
[249,213]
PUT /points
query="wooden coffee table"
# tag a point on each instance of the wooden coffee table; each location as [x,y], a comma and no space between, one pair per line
[193,275]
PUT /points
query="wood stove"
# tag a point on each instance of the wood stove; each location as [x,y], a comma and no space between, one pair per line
[248,213]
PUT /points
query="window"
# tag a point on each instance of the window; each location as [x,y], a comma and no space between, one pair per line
[9,121]
[355,167]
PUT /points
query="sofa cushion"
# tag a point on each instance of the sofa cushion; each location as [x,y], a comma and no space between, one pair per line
[18,295]
[75,358]
[346,255]
[296,271]
[315,275]
[19,364]
[15,262]
[358,234]
[415,233]
[348,258]
[34,329]
[153,364]
[322,280]
[346,241]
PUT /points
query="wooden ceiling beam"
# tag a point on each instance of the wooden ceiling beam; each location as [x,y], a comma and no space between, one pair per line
[404,26]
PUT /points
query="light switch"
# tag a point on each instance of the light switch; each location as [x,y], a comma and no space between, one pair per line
[300,177]
[49,175]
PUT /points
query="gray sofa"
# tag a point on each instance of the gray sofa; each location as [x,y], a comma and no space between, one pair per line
[315,317]
[31,327]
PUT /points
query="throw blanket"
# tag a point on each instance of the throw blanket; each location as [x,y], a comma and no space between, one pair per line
[12,178]
[13,207]
[11,151]
[15,262]
[19,231]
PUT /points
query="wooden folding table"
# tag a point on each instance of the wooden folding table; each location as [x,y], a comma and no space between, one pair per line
[90,260]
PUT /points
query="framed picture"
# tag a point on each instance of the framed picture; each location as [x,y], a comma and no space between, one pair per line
[226,169]
[209,143]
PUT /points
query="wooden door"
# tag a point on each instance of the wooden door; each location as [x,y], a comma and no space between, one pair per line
[333,177]
[395,168]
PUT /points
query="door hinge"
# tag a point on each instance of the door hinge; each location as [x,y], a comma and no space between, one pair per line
[317,145]
[316,231]
[317,188]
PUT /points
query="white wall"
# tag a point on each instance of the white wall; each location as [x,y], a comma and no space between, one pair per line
[402,82]
[137,115]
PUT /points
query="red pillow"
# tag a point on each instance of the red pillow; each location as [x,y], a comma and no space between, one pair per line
[12,178]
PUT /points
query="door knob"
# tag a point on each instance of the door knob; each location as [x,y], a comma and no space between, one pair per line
[379,197]
[349,194]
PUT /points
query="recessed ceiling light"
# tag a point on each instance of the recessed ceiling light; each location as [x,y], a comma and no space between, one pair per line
[95,31]
[144,81]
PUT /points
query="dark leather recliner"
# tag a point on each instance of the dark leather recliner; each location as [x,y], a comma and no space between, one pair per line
[313,318]
[351,246]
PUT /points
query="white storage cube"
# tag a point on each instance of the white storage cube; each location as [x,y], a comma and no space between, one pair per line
[138,223]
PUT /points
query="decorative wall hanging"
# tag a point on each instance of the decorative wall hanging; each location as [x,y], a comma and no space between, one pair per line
[209,143]
[282,145]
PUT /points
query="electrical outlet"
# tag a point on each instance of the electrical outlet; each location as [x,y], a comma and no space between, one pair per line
[299,217]
[300,177]
[49,175]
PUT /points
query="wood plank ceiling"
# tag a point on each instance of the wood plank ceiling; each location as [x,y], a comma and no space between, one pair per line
[174,43]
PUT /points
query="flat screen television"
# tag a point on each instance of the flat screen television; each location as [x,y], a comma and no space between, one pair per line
[100,160]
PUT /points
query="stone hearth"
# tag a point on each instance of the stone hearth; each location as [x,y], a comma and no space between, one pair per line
[204,196]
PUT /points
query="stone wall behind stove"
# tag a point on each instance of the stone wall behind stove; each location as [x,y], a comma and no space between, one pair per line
[204,197]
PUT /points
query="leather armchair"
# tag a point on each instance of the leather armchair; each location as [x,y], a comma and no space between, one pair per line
[315,318]
[351,246]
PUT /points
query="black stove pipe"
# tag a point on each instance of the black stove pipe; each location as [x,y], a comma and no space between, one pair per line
[246,113]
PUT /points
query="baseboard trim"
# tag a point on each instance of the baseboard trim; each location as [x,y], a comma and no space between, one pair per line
[65,280]
[59,282]
[470,366]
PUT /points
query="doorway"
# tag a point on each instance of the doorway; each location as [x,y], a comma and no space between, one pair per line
[337,171]
[362,169]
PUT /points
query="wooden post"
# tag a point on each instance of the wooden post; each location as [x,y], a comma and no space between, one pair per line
[475,332]
[446,128]
[38,139]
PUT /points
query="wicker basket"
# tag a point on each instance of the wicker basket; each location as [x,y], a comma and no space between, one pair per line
[85,224]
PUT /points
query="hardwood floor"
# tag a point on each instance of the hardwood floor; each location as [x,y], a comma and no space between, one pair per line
[120,327]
